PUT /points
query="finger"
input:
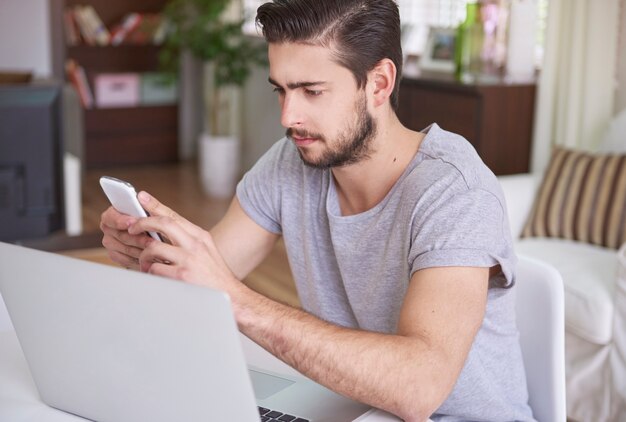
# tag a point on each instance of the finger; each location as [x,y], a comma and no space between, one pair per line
[159,252]
[164,270]
[113,244]
[171,229]
[140,240]
[155,208]
[174,272]
[123,260]
[116,220]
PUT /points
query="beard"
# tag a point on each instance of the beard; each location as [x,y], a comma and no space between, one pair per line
[352,146]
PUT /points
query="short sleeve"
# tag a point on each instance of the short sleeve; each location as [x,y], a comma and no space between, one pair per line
[259,190]
[467,227]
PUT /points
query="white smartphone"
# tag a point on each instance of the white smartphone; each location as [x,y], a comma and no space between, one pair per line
[123,197]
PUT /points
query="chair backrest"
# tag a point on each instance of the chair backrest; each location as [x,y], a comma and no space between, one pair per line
[540,320]
[5,320]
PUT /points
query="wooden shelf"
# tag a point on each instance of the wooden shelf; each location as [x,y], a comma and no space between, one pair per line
[122,58]
[133,135]
[497,118]
[122,136]
[112,11]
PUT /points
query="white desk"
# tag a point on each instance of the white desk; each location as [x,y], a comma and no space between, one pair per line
[19,399]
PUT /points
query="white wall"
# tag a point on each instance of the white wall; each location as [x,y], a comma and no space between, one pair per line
[260,113]
[25,37]
[261,117]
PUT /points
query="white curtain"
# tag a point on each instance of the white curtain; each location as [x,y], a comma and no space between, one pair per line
[577,85]
[620,97]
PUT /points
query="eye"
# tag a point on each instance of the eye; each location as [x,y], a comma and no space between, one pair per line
[313,92]
[279,90]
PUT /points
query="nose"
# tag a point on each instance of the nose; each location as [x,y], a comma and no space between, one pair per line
[291,111]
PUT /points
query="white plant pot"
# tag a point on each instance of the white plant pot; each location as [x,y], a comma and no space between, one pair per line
[218,160]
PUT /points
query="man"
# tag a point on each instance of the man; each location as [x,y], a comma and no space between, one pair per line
[398,241]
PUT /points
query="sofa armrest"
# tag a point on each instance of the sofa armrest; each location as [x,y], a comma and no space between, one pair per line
[519,193]
[618,351]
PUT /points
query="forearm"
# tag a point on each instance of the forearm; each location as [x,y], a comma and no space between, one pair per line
[408,374]
[402,375]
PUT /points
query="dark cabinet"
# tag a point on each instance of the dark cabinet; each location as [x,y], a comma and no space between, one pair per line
[497,118]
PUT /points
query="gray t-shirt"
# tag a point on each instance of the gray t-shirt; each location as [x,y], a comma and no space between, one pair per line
[446,209]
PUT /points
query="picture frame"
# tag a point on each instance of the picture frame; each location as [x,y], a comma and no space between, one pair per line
[438,55]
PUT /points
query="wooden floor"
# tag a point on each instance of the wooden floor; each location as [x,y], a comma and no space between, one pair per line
[178,187]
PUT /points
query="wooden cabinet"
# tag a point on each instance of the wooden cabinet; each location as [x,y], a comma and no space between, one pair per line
[496,118]
[144,134]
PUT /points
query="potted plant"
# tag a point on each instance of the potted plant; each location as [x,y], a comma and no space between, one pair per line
[207,29]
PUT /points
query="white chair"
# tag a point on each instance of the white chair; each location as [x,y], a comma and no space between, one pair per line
[5,320]
[540,319]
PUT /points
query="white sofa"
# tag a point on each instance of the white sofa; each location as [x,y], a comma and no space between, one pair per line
[595,311]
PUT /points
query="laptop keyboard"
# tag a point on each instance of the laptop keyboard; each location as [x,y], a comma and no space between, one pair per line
[268,415]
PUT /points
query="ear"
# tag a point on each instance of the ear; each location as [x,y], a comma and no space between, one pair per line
[382,79]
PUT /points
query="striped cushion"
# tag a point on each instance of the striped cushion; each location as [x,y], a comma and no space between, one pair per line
[582,197]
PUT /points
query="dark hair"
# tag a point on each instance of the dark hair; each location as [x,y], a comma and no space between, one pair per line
[360,33]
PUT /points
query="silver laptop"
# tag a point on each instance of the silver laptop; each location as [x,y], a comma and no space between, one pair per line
[111,344]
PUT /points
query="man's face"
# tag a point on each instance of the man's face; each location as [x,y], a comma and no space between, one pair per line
[326,116]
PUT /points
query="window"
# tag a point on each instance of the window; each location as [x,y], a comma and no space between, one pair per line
[418,16]
[418,13]
[249,10]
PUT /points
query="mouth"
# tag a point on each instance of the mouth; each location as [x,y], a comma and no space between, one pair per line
[302,142]
[302,138]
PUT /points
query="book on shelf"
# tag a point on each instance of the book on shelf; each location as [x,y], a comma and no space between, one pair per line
[71,30]
[83,28]
[129,23]
[78,78]
[145,32]
[91,26]
[82,24]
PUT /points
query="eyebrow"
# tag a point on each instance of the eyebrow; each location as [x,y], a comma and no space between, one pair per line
[296,85]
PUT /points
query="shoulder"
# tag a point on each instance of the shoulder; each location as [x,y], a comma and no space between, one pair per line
[459,214]
[448,164]
[455,154]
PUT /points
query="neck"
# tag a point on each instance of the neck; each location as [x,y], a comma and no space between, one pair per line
[363,185]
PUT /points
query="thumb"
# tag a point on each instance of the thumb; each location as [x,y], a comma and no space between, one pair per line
[157,209]
[153,206]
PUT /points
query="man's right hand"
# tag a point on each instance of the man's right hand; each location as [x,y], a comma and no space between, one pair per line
[122,247]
